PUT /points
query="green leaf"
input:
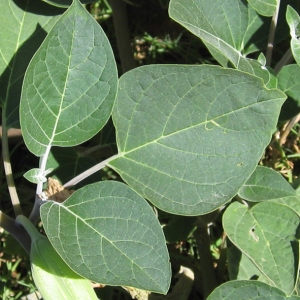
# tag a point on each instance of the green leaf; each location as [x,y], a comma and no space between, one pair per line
[224,35]
[73,71]
[265,184]
[24,26]
[36,175]
[268,185]
[109,234]
[248,290]
[190,136]
[293,20]
[266,234]
[264,7]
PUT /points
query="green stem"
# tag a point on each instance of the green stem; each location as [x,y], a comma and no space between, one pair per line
[8,170]
[286,59]
[89,172]
[273,26]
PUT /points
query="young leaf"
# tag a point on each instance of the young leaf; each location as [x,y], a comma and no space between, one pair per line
[36,175]
[263,7]
[109,234]
[248,290]
[22,32]
[190,136]
[70,84]
[266,234]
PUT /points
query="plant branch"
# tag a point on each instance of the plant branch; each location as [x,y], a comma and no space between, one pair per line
[89,172]
[288,128]
[285,60]
[273,26]
[17,231]
[8,170]
[122,34]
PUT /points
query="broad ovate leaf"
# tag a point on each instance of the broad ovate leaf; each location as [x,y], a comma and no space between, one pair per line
[190,136]
[266,233]
[107,233]
[70,84]
[24,25]
[248,290]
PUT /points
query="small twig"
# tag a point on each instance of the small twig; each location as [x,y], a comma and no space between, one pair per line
[88,172]
[270,45]
[285,60]
[288,128]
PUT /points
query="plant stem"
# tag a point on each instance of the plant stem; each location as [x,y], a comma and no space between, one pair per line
[89,172]
[8,170]
[285,59]
[17,231]
[206,261]
[35,213]
[270,45]
[122,34]
[43,163]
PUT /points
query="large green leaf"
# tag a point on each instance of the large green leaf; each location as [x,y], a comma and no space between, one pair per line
[248,290]
[190,136]
[70,84]
[109,234]
[24,25]
[267,235]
